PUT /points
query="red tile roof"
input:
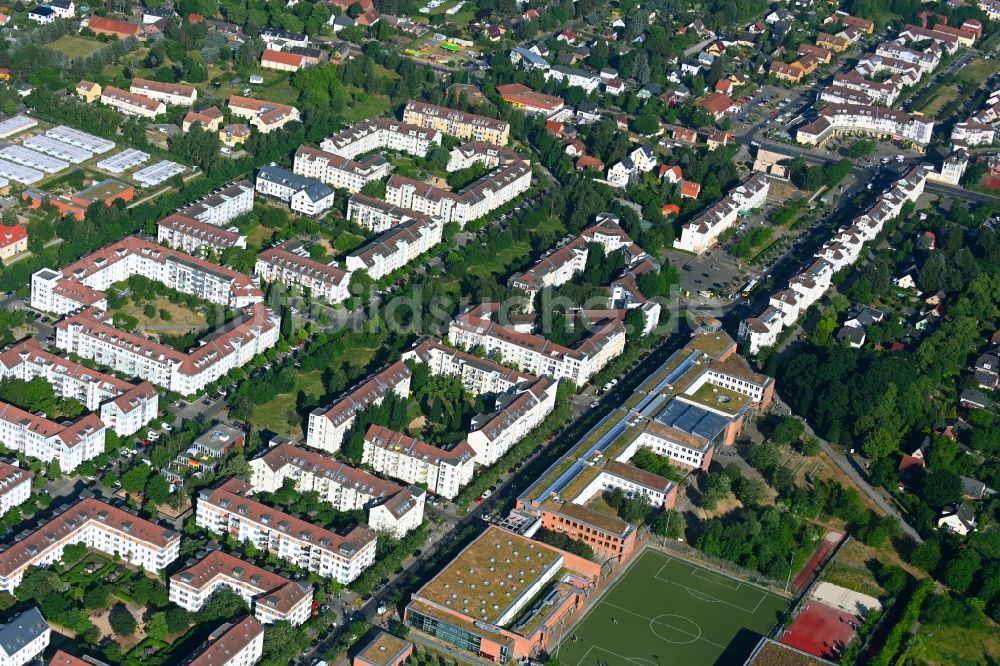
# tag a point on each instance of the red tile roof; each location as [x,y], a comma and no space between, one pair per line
[11,235]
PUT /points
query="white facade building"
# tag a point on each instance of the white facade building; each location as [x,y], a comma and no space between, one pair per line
[444,472]
[339,172]
[24,638]
[379,134]
[702,232]
[240,643]
[228,510]
[222,206]
[281,264]
[397,247]
[191,236]
[172,94]
[132,104]
[303,195]
[15,485]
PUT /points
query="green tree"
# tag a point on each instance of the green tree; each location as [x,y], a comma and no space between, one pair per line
[157,490]
[157,626]
[121,620]
[134,480]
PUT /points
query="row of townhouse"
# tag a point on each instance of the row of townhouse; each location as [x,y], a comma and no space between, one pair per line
[696,401]
[328,426]
[379,134]
[702,232]
[272,597]
[229,511]
[190,236]
[839,119]
[476,200]
[15,485]
[263,115]
[396,247]
[90,334]
[239,643]
[339,172]
[377,215]
[391,508]
[534,353]
[290,264]
[563,264]
[468,126]
[306,196]
[132,104]
[97,525]
[444,471]
[842,250]
[124,407]
[171,94]
[222,206]
[82,283]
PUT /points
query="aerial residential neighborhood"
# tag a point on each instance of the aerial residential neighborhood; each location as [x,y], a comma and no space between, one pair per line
[465,333]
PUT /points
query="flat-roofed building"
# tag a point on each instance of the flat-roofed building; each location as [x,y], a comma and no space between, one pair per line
[97,525]
[228,510]
[545,589]
[383,649]
[273,598]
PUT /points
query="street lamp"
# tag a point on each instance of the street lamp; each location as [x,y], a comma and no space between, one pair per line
[788,580]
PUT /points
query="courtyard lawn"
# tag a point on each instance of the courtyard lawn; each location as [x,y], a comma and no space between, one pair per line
[977,70]
[501,260]
[75,46]
[365,105]
[182,320]
[666,611]
[943,98]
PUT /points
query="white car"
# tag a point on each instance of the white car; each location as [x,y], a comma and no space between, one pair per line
[152,435]
[166,427]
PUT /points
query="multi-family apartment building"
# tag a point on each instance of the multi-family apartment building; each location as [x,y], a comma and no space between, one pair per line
[973,132]
[15,485]
[838,119]
[382,134]
[852,88]
[339,172]
[841,250]
[303,195]
[444,471]
[263,115]
[391,508]
[640,161]
[38,437]
[474,201]
[702,232]
[209,118]
[328,426]
[463,125]
[272,597]
[479,375]
[191,236]
[24,638]
[90,334]
[283,264]
[240,643]
[97,525]
[518,412]
[82,283]
[171,94]
[132,104]
[124,407]
[229,511]
[535,354]
[395,248]
[377,215]
[488,154]
[222,206]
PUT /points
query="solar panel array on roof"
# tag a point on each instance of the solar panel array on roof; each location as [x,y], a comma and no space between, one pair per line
[75,137]
[20,174]
[12,126]
[692,419]
[30,158]
[157,173]
[653,405]
[60,149]
[3,182]
[679,371]
[123,161]
[564,480]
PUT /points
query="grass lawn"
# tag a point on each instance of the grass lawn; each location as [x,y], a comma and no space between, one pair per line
[666,611]
[550,224]
[75,46]
[499,262]
[260,236]
[364,105]
[950,646]
[944,97]
[278,414]
[182,320]
[977,70]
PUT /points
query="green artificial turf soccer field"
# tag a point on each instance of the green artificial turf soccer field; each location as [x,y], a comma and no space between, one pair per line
[664,611]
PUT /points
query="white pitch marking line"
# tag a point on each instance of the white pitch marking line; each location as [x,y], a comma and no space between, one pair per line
[672,627]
